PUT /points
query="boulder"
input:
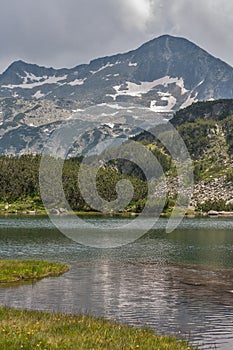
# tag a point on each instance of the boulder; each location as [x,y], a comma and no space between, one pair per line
[213,213]
[54,211]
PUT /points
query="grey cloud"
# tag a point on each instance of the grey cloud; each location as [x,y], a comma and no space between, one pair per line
[208,23]
[64,33]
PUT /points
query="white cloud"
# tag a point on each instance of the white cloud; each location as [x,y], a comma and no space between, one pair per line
[136,13]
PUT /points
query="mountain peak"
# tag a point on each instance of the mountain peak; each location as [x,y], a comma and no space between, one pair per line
[165,37]
[17,65]
[20,64]
[169,42]
[164,74]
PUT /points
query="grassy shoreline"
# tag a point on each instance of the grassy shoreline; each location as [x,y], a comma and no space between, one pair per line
[13,271]
[188,214]
[30,209]
[21,329]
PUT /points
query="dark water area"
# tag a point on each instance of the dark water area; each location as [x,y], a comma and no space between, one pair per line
[179,283]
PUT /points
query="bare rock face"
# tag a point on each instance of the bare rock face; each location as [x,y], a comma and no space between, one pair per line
[215,190]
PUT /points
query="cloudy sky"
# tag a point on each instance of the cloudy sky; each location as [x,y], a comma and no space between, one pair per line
[65,33]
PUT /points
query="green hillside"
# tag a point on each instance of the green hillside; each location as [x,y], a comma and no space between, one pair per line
[207,130]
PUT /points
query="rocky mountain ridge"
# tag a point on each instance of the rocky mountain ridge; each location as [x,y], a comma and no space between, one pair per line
[164,74]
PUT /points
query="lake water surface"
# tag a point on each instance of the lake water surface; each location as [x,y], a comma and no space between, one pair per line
[179,283]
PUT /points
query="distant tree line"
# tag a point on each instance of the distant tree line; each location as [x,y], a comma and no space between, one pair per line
[19,181]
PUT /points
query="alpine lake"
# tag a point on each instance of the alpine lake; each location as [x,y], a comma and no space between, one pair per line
[178,283]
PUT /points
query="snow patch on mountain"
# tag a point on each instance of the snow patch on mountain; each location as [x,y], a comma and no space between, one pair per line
[40,81]
[104,67]
[189,101]
[144,87]
[113,105]
[170,103]
[165,81]
[38,95]
[77,82]
[30,77]
[132,64]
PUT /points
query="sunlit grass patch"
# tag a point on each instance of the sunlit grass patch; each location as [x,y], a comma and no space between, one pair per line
[22,270]
[20,329]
